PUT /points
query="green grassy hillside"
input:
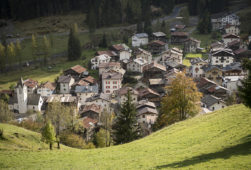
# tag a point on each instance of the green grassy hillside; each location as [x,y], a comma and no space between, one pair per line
[220,140]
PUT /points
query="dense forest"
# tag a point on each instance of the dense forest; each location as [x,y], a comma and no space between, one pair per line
[22,10]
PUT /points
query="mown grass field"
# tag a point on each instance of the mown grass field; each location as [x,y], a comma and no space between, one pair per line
[186,60]
[44,74]
[220,140]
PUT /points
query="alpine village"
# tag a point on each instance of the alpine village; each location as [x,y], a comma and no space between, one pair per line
[123,84]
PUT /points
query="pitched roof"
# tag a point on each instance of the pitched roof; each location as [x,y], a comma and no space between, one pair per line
[140,61]
[210,100]
[224,50]
[158,42]
[78,69]
[81,83]
[179,34]
[64,79]
[124,91]
[30,83]
[62,98]
[108,52]
[120,47]
[180,26]
[147,110]
[33,99]
[86,89]
[230,36]
[207,68]
[146,91]
[156,81]
[110,64]
[141,35]
[159,34]
[112,75]
[156,65]
[239,51]
[145,103]
[88,122]
[48,85]
[193,39]
[92,107]
[90,79]
[98,96]
[140,50]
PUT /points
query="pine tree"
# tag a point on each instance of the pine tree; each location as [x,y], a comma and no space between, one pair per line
[10,53]
[139,27]
[205,25]
[46,48]
[129,14]
[125,127]
[74,46]
[48,134]
[34,46]
[245,88]
[18,53]
[2,57]
[103,42]
[92,19]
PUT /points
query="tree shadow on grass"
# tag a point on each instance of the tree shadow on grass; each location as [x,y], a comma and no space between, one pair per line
[240,149]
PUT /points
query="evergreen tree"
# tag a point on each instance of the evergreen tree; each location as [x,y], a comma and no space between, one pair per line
[10,53]
[18,53]
[2,57]
[103,42]
[74,46]
[205,25]
[185,16]
[91,19]
[245,89]
[125,127]
[249,46]
[192,6]
[46,47]
[139,27]
[129,14]
[48,134]
[34,46]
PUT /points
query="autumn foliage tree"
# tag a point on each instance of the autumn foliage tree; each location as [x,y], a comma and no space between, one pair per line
[181,101]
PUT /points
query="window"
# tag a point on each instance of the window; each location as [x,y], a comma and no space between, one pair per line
[107,82]
[114,82]
[107,91]
[107,87]
[213,108]
[114,87]
[143,116]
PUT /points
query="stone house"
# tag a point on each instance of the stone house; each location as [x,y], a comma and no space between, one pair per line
[157,46]
[123,51]
[179,37]
[65,84]
[46,89]
[85,92]
[232,83]
[92,111]
[150,95]
[122,95]
[101,99]
[140,39]
[136,65]
[146,112]
[143,54]
[213,103]
[171,55]
[76,72]
[191,45]
[160,36]
[196,68]
[153,71]
[96,61]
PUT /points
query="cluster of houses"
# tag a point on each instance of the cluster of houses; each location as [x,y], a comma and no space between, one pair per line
[155,65]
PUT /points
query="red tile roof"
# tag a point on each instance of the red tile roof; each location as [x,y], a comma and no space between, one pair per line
[79,69]
[88,122]
[30,83]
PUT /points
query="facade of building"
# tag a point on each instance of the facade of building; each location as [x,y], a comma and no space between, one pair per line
[191,45]
[213,103]
[111,81]
[143,54]
[221,57]
[227,38]
[46,89]
[96,61]
[139,40]
[157,46]
[123,51]
[136,65]
[65,84]
[196,68]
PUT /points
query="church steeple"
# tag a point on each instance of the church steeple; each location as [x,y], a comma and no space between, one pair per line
[20,82]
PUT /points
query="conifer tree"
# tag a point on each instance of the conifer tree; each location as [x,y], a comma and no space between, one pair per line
[48,134]
[2,57]
[10,53]
[18,52]
[125,127]
[103,42]
[92,19]
[139,27]
[34,46]
[74,46]
[245,88]
[46,47]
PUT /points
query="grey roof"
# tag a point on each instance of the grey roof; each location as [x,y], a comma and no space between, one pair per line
[147,110]
[210,100]
[64,79]
[207,68]
[86,89]
[13,99]
[233,66]
[33,99]
[196,60]
[113,75]
[159,34]
[141,35]
[98,96]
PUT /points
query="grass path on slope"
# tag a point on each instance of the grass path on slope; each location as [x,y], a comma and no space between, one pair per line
[219,140]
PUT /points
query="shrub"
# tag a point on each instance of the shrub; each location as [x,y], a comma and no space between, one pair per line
[1,134]
[73,140]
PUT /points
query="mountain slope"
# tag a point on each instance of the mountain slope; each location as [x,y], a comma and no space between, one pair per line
[219,140]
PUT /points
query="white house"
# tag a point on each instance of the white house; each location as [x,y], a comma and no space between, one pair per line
[143,54]
[139,40]
[221,57]
[232,83]
[196,68]
[21,102]
[111,81]
[136,65]
[66,83]
[123,51]
[31,85]
[212,103]
[173,54]
[232,29]
[96,61]
[227,38]
[46,89]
